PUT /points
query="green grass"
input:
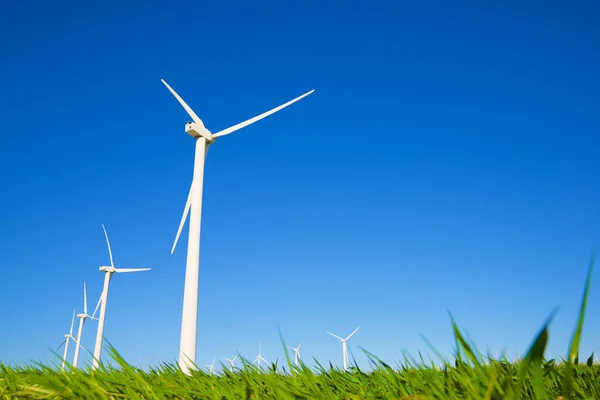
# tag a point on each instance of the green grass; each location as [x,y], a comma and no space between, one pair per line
[471,376]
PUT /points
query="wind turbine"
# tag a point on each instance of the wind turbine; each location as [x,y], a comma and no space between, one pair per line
[231,360]
[259,356]
[204,138]
[296,352]
[344,347]
[211,367]
[82,319]
[66,341]
[109,271]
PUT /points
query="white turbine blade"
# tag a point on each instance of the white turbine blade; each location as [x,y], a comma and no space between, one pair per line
[84,300]
[300,345]
[234,357]
[336,336]
[98,305]
[258,117]
[187,108]
[261,357]
[353,333]
[108,243]
[254,361]
[188,203]
[131,269]
[72,322]
[290,347]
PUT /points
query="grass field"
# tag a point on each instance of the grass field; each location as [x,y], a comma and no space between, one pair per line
[470,376]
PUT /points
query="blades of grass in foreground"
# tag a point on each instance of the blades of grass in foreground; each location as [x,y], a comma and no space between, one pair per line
[464,345]
[287,355]
[574,348]
[535,357]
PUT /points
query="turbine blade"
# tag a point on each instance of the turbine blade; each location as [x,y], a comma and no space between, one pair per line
[109,250]
[98,305]
[234,357]
[335,336]
[84,299]
[258,117]
[353,333]
[86,350]
[300,345]
[188,204]
[131,269]
[187,108]
[62,344]
[72,322]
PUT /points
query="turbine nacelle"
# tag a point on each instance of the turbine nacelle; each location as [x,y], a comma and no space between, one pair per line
[195,131]
[104,268]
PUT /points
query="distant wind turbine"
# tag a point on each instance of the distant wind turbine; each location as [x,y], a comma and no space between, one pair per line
[231,360]
[344,347]
[83,316]
[296,352]
[211,367]
[66,341]
[204,138]
[259,356]
[109,271]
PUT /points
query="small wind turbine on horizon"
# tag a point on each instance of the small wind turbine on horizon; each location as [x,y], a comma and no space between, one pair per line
[108,273]
[231,361]
[259,356]
[83,316]
[204,138]
[211,367]
[296,353]
[66,341]
[344,347]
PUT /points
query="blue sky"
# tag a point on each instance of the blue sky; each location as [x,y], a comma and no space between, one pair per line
[448,160]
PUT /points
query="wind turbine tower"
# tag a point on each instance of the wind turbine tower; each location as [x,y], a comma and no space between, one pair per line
[259,357]
[83,316]
[344,347]
[296,353]
[231,362]
[204,138]
[108,273]
[211,367]
[66,341]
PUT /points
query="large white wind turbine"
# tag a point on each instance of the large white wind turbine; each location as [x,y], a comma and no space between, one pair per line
[66,341]
[83,316]
[296,352]
[259,357]
[204,138]
[231,362]
[108,273]
[344,347]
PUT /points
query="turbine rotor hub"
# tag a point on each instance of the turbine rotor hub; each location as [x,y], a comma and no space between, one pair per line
[195,131]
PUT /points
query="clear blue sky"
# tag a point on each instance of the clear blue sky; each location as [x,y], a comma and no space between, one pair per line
[448,160]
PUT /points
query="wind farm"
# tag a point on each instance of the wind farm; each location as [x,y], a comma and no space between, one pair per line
[292,364]
[250,201]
